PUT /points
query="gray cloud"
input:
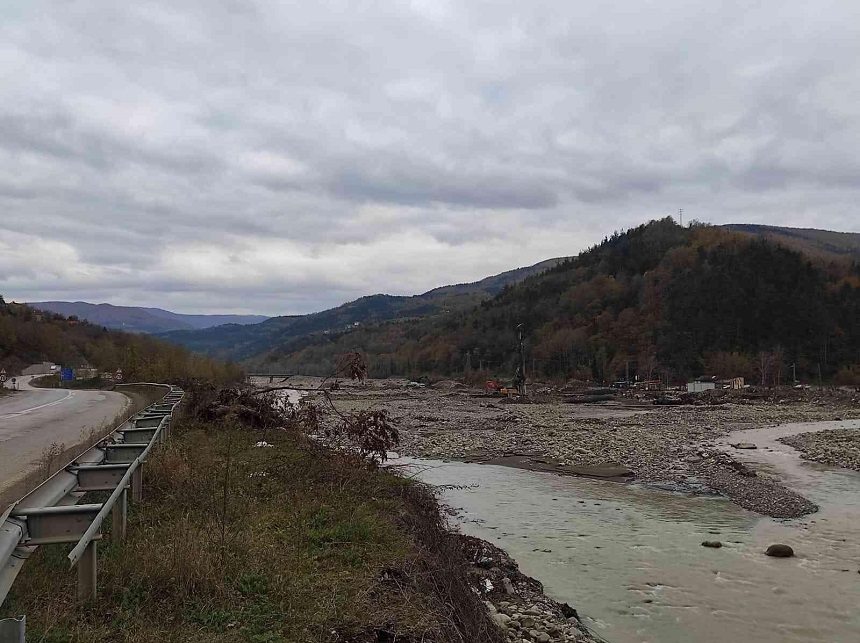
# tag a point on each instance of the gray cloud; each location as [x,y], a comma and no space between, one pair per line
[284,157]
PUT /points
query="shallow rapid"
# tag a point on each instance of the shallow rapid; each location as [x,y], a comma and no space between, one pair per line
[630,559]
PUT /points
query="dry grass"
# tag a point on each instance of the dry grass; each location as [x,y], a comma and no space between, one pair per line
[285,543]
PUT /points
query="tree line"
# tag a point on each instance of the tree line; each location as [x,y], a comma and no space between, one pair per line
[30,336]
[659,301]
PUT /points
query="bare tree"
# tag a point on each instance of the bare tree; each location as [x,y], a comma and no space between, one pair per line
[778,361]
[764,367]
[369,431]
[648,364]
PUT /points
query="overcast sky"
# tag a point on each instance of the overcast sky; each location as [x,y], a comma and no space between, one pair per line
[283,157]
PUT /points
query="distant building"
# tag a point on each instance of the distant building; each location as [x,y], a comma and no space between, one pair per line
[733,383]
[702,384]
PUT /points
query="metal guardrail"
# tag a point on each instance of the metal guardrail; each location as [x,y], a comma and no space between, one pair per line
[51,514]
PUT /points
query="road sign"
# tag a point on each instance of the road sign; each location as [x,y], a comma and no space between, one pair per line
[118,376]
[67,375]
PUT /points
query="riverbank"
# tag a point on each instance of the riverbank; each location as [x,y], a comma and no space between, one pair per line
[517,602]
[668,446]
[253,533]
[836,447]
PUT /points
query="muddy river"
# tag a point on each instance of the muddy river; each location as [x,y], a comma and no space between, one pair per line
[630,559]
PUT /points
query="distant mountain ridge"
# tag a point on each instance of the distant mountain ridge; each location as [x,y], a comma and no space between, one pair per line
[825,244]
[658,301]
[241,342]
[136,319]
[279,336]
[494,284]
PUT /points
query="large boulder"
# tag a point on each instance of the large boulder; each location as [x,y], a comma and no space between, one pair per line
[779,551]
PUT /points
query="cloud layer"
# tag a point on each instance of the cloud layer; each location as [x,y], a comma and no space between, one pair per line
[227,156]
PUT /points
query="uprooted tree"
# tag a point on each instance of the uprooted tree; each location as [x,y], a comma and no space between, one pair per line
[368,432]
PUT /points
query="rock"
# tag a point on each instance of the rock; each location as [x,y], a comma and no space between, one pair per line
[508,585]
[745,445]
[713,544]
[485,563]
[779,551]
[568,612]
[501,619]
[543,637]
[527,622]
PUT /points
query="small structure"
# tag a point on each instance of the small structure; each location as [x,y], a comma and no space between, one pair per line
[702,384]
[733,383]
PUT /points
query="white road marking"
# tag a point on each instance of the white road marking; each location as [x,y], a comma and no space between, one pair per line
[41,406]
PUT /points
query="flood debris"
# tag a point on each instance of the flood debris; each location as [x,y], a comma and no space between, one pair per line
[628,439]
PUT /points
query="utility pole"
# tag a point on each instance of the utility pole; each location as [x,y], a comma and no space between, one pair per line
[681,216]
[522,361]
[794,373]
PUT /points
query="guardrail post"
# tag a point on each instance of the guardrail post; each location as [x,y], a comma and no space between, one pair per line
[88,572]
[12,630]
[119,514]
[137,484]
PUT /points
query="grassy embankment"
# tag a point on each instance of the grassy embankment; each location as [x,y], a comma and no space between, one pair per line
[284,543]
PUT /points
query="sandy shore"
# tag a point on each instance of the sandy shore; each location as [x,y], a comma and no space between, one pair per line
[631,439]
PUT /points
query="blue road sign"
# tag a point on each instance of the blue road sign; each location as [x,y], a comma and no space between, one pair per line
[67,375]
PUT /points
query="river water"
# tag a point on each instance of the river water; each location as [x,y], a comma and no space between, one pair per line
[630,559]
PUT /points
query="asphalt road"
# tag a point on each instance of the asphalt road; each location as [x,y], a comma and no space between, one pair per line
[33,419]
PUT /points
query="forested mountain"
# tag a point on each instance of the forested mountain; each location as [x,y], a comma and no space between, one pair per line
[658,299]
[135,319]
[242,342]
[30,336]
[824,244]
